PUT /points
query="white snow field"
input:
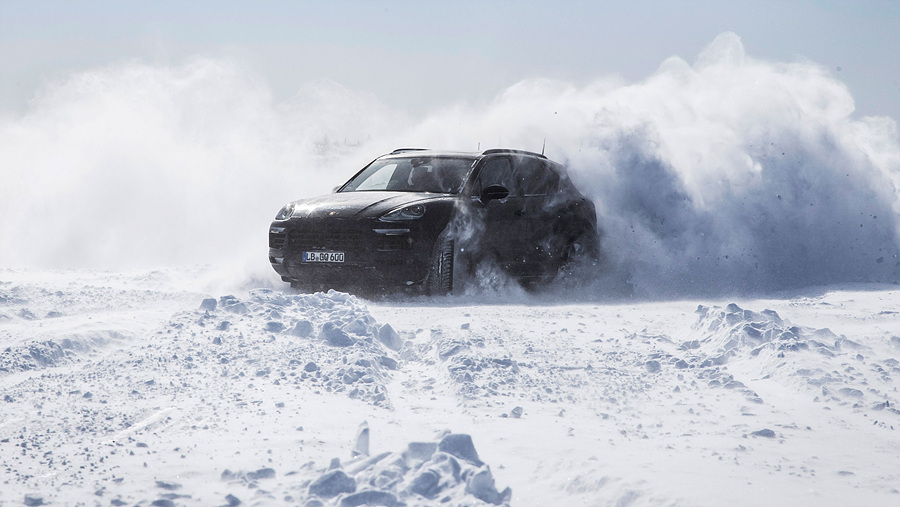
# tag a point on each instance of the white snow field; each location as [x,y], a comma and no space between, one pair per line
[128,377]
[126,388]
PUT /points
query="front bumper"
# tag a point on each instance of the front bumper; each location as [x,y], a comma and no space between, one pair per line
[376,254]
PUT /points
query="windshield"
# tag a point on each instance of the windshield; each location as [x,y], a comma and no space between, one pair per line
[413,174]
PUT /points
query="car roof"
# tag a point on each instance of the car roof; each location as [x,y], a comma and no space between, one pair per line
[460,154]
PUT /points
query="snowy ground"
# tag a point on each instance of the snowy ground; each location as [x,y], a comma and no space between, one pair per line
[120,388]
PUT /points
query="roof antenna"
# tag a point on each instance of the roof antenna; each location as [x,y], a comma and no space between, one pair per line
[479,146]
[543,146]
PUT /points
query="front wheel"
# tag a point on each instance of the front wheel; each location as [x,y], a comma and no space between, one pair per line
[440,273]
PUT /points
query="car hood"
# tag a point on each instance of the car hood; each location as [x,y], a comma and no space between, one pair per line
[358,204]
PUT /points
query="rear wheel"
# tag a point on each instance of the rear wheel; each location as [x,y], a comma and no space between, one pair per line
[582,249]
[440,272]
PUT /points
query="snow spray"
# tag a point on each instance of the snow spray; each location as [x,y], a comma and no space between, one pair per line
[725,175]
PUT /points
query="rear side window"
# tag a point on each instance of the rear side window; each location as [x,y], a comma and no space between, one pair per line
[497,171]
[533,177]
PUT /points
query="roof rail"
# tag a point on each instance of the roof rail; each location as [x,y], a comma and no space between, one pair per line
[404,150]
[504,150]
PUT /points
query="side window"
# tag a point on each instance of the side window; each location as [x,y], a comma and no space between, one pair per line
[496,171]
[535,178]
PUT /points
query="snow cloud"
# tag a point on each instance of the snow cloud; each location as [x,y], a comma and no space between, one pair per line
[137,165]
[728,174]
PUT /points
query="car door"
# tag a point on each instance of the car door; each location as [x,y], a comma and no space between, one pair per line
[502,222]
[538,185]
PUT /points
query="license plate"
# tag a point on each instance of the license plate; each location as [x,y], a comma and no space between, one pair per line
[323,256]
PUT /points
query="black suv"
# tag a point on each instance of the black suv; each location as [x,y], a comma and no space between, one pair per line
[430,219]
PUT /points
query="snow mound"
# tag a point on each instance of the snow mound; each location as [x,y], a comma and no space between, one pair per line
[833,367]
[228,363]
[47,353]
[446,471]
[733,329]
[46,326]
[328,341]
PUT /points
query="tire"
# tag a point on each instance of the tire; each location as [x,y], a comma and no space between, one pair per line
[440,273]
[582,250]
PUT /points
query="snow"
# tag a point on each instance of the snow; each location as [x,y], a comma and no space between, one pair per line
[141,388]
[647,382]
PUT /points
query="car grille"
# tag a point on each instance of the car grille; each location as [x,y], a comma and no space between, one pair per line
[341,240]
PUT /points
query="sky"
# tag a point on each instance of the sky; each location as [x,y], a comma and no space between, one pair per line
[420,55]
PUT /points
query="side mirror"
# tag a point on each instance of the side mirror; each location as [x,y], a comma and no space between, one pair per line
[494,192]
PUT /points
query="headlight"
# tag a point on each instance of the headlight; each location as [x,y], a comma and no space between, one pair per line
[406,213]
[285,212]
